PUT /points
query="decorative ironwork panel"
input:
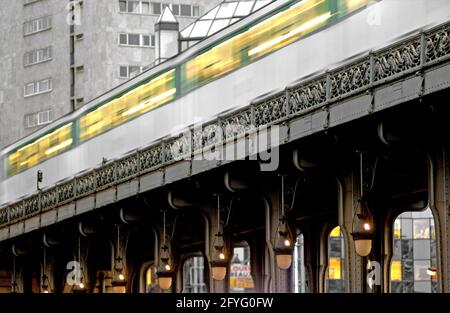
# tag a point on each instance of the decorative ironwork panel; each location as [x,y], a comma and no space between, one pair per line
[237,124]
[49,198]
[350,79]
[31,205]
[4,216]
[269,111]
[179,148]
[127,167]
[85,184]
[207,135]
[105,175]
[308,96]
[397,60]
[66,191]
[151,157]
[438,44]
[16,212]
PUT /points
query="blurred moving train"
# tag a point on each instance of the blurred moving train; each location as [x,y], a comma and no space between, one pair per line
[258,54]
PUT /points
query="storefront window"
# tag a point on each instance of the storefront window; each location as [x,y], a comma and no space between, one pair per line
[335,278]
[151,283]
[241,280]
[300,284]
[194,275]
[413,266]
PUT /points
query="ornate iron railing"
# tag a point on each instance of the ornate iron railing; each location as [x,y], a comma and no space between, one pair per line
[404,58]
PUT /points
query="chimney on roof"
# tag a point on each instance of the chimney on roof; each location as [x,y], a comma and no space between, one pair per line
[166,36]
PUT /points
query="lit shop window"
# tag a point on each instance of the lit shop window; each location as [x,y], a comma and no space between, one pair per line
[300,281]
[241,279]
[413,266]
[151,282]
[194,275]
[335,278]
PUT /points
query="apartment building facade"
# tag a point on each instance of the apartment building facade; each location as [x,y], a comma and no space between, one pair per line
[57,55]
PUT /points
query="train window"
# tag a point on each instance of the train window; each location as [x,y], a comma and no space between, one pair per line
[194,275]
[241,280]
[300,281]
[151,282]
[413,265]
[40,150]
[335,275]
[142,99]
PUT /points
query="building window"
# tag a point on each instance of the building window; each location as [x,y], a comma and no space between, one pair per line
[38,87]
[135,7]
[122,6]
[176,9]
[241,280]
[413,265]
[194,275]
[335,276]
[196,10]
[130,71]
[185,10]
[134,39]
[37,56]
[151,281]
[37,25]
[38,119]
[137,40]
[144,7]
[299,280]
[156,8]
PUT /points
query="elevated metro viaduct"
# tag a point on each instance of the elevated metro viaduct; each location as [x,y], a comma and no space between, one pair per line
[349,149]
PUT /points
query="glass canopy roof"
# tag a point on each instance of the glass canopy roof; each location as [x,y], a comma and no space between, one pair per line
[224,14]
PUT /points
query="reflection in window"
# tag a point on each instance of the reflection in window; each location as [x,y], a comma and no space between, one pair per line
[240,269]
[335,278]
[298,268]
[194,275]
[414,253]
[151,282]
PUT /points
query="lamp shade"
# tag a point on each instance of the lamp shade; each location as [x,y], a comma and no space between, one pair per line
[284,261]
[363,246]
[165,282]
[283,246]
[218,272]
[219,264]
[363,231]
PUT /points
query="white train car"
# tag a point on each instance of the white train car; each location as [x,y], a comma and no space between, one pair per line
[268,50]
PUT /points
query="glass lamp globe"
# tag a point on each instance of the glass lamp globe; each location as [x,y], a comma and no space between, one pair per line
[165,282]
[284,261]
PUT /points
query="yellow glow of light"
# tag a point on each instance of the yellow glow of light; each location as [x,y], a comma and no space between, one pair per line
[121,277]
[287,243]
[167,267]
[336,232]
[45,137]
[81,285]
[334,268]
[396,271]
[305,26]
[431,271]
[147,104]
[366,226]
[222,256]
[59,147]
[355,4]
